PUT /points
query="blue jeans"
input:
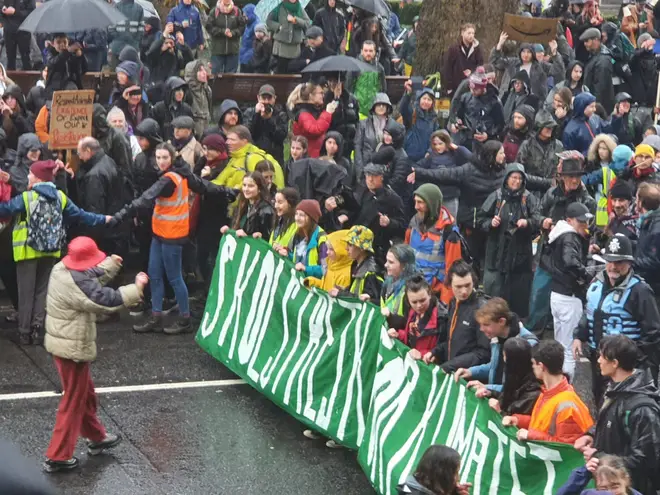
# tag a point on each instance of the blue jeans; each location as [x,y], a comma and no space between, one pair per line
[165,259]
[224,64]
[539,304]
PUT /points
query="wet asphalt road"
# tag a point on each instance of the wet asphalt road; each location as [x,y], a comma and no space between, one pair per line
[214,440]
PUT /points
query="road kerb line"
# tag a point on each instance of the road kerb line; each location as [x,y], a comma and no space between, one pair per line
[129,388]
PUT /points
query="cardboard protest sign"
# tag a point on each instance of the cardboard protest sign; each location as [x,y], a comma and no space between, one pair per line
[530,29]
[70,118]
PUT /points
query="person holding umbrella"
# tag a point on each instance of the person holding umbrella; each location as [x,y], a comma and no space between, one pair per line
[288,23]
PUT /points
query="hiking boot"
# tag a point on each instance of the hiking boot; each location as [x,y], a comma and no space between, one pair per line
[107,318]
[169,306]
[56,466]
[181,325]
[311,434]
[25,339]
[331,444]
[110,440]
[153,324]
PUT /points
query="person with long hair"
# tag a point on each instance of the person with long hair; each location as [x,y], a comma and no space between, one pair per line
[267,169]
[285,227]
[298,150]
[171,228]
[521,388]
[307,249]
[370,131]
[310,118]
[436,474]
[400,266]
[253,215]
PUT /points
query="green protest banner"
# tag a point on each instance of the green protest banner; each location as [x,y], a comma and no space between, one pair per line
[311,354]
[414,406]
[330,364]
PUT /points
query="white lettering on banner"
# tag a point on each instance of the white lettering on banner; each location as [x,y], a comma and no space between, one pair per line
[261,324]
[419,433]
[515,448]
[387,384]
[548,456]
[240,286]
[293,351]
[395,411]
[291,291]
[326,411]
[226,255]
[325,324]
[458,423]
[502,441]
[235,311]
[477,458]
[360,332]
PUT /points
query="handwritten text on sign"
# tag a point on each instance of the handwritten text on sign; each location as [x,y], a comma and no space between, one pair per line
[70,118]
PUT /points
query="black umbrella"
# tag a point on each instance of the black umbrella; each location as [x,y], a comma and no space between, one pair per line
[68,16]
[339,63]
[377,7]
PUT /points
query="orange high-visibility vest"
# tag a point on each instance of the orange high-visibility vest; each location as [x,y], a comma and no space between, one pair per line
[171,219]
[557,409]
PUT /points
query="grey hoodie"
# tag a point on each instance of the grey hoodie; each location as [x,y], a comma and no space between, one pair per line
[413,487]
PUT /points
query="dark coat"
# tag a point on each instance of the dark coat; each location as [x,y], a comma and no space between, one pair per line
[36,99]
[130,31]
[479,113]
[18,122]
[568,255]
[420,124]
[11,23]
[114,143]
[449,159]
[369,205]
[647,255]
[269,134]
[523,398]
[628,129]
[598,74]
[538,73]
[346,117]
[165,64]
[145,170]
[458,59]
[366,142]
[216,25]
[350,181]
[395,158]
[509,257]
[164,112]
[100,189]
[213,211]
[309,53]
[628,426]
[645,77]
[260,61]
[148,40]
[259,219]
[65,70]
[333,24]
[468,346]
[537,156]
[133,119]
[576,134]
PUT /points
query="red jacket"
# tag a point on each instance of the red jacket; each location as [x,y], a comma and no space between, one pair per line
[313,129]
[424,335]
[568,419]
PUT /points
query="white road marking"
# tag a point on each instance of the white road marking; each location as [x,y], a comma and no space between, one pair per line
[130,388]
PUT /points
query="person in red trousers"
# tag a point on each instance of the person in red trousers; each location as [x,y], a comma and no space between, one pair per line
[427,318]
[76,294]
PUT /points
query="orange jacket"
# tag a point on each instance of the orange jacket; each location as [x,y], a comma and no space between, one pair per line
[559,415]
[422,243]
[171,217]
[41,124]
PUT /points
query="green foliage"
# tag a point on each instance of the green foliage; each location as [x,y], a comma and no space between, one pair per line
[407,12]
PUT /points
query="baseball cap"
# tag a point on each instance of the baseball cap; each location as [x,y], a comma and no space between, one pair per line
[267,89]
[578,211]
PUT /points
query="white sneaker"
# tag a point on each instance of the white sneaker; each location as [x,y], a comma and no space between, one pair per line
[311,434]
[331,444]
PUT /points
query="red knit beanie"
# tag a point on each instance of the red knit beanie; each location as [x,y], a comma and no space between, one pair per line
[44,170]
[311,208]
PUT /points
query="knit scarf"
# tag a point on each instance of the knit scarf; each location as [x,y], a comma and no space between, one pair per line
[293,8]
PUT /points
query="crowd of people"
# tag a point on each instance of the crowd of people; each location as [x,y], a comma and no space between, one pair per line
[534,210]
